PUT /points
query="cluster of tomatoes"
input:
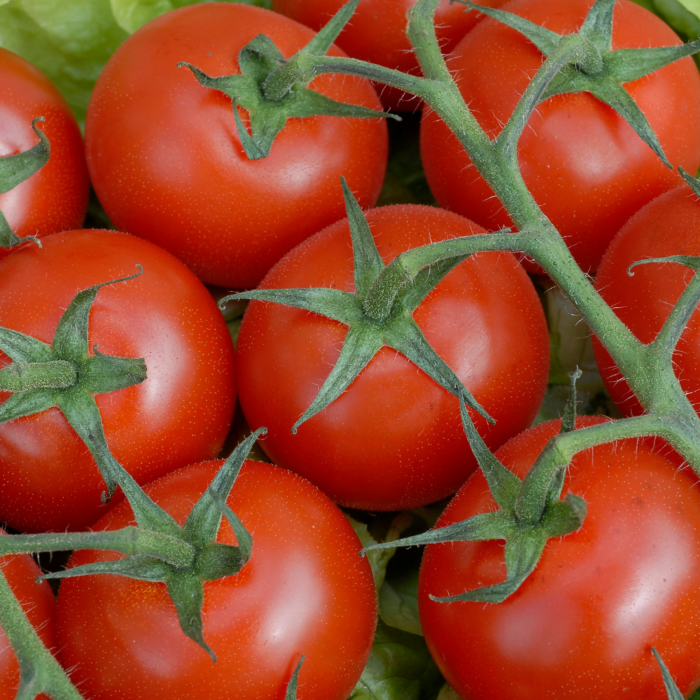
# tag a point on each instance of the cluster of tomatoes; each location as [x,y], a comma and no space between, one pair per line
[167,153]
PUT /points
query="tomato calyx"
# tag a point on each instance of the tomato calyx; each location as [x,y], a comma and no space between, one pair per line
[65,375]
[366,336]
[261,63]
[603,71]
[16,169]
[181,557]
[669,683]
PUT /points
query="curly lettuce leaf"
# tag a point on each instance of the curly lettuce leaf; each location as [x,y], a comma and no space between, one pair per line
[399,668]
[71,40]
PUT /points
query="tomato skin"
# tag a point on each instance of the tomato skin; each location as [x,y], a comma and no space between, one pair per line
[179,414]
[55,198]
[669,225]
[377,33]
[39,604]
[583,624]
[304,591]
[581,161]
[166,161]
[394,439]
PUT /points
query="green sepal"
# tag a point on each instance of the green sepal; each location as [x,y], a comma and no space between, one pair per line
[27,376]
[691,181]
[669,683]
[28,403]
[368,262]
[598,25]
[141,567]
[243,537]
[522,553]
[204,520]
[335,304]
[291,693]
[691,261]
[187,593]
[544,39]
[71,339]
[18,168]
[259,57]
[217,560]
[564,517]
[23,348]
[360,346]
[412,295]
[322,42]
[102,374]
[9,239]
[407,337]
[627,65]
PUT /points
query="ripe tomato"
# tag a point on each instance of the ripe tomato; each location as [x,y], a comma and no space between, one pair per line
[167,164]
[583,624]
[305,591]
[669,225]
[180,414]
[38,602]
[55,198]
[581,161]
[377,33]
[394,439]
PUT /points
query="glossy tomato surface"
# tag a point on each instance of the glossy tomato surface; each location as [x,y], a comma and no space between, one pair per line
[670,225]
[179,414]
[394,439]
[305,591]
[377,33]
[39,604]
[55,198]
[581,627]
[167,164]
[583,164]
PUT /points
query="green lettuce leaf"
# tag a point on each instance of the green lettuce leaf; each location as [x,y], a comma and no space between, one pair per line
[398,602]
[399,668]
[71,40]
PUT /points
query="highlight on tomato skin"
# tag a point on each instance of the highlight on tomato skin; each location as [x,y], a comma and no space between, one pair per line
[581,626]
[394,439]
[304,591]
[167,163]
[55,198]
[39,604]
[179,414]
[582,162]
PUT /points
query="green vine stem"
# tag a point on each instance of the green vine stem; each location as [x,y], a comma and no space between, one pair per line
[646,368]
[39,671]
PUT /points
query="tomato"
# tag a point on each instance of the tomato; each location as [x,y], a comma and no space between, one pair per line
[39,604]
[167,164]
[305,591]
[583,164]
[669,225]
[394,439]
[377,33]
[179,414]
[583,624]
[55,198]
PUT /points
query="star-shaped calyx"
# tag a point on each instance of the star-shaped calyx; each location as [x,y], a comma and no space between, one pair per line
[605,71]
[260,61]
[366,335]
[16,169]
[66,375]
[525,541]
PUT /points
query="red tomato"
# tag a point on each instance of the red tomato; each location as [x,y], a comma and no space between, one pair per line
[377,33]
[583,624]
[670,225]
[305,591]
[167,164]
[39,604]
[581,161]
[394,439]
[55,198]
[181,413]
